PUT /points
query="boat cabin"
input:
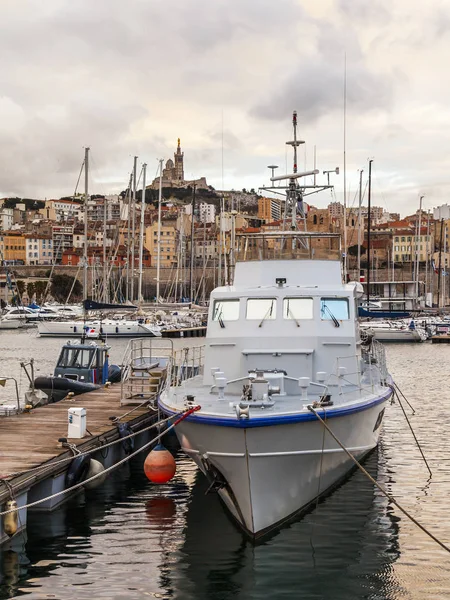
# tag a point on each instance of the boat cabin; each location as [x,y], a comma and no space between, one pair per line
[85,362]
[288,311]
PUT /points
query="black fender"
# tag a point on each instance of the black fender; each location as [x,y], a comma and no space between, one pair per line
[77,470]
[124,430]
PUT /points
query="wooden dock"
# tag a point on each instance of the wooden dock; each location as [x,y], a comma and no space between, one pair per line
[31,439]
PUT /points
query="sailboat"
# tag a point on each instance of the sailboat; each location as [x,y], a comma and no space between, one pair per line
[110,327]
[282,348]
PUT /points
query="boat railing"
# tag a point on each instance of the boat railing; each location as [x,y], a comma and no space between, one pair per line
[288,245]
[185,364]
[365,371]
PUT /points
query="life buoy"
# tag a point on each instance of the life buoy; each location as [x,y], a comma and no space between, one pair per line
[128,444]
[78,470]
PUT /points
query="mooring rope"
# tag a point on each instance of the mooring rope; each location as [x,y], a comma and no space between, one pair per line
[96,449]
[109,469]
[382,490]
[394,389]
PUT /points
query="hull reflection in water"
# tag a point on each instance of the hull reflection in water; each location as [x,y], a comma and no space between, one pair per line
[130,539]
[342,550]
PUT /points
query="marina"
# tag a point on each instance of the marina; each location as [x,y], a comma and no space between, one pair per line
[353,545]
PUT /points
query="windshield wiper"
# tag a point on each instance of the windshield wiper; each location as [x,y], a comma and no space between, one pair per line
[292,315]
[218,316]
[269,312]
[333,318]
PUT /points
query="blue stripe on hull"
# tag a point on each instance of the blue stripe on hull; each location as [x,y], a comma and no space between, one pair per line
[277,420]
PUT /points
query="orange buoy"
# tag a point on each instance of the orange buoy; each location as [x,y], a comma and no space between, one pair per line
[159,466]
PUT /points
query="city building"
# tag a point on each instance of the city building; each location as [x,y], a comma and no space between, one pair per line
[6,218]
[14,247]
[207,212]
[441,212]
[61,210]
[39,249]
[62,237]
[406,245]
[336,209]
[168,247]
[269,209]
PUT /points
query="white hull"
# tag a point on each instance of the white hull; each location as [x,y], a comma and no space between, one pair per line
[276,471]
[396,335]
[10,324]
[108,327]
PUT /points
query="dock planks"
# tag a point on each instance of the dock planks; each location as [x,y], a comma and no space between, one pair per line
[30,439]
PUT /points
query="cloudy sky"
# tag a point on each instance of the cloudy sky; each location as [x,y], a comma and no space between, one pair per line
[130,77]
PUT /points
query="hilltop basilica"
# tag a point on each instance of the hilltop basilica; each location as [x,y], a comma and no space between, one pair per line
[173,173]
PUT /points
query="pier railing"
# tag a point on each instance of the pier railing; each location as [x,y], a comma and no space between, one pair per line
[144,368]
[149,364]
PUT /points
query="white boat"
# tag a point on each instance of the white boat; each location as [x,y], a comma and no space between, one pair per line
[9,324]
[395,331]
[282,339]
[29,315]
[96,328]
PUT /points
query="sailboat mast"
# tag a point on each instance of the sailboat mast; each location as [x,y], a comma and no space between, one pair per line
[105,270]
[85,246]
[141,234]
[345,168]
[369,197]
[191,268]
[158,264]
[133,227]
[418,250]
[359,222]
[128,198]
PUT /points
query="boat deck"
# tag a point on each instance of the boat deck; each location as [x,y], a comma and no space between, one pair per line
[31,439]
[340,395]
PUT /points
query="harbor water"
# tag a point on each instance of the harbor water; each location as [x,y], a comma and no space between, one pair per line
[130,539]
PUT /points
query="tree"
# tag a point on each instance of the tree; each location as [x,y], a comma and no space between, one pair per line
[62,286]
[31,290]
[40,288]
[20,285]
[353,250]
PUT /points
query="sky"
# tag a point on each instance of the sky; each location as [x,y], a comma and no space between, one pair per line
[129,78]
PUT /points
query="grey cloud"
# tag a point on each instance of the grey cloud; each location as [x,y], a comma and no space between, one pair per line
[365,11]
[315,89]
[315,86]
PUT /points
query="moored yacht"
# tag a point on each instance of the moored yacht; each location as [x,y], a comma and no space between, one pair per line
[95,328]
[282,339]
[283,351]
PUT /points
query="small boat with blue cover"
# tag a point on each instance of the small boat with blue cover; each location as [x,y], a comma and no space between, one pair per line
[81,367]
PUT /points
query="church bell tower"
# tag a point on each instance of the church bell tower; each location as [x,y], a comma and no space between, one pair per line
[179,168]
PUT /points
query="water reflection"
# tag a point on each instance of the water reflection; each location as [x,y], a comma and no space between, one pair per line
[131,539]
[344,549]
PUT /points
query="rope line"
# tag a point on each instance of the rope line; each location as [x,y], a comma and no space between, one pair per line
[79,453]
[382,490]
[109,469]
[412,430]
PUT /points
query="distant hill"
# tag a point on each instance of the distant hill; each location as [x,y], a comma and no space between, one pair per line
[30,203]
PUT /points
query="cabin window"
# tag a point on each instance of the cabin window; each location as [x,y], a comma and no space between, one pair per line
[336,308]
[261,308]
[298,308]
[75,358]
[226,310]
